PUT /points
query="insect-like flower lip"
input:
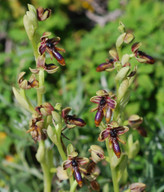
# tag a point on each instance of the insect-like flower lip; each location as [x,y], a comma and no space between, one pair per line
[145,58]
[72,120]
[106,65]
[141,56]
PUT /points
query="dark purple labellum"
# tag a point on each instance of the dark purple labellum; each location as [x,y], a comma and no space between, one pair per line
[58,57]
[104,66]
[77,176]
[76,121]
[98,118]
[148,59]
[116,147]
[50,66]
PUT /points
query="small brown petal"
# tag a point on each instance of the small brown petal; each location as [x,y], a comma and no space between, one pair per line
[65,111]
[67,164]
[142,131]
[95,99]
[135,121]
[102,93]
[41,62]
[82,160]
[137,187]
[35,71]
[95,186]
[43,14]
[72,155]
[51,68]
[45,35]
[104,134]
[136,46]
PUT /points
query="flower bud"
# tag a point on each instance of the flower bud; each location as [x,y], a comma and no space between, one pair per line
[121,27]
[97,153]
[123,89]
[133,147]
[120,40]
[137,187]
[125,59]
[52,135]
[56,117]
[122,73]
[70,149]
[113,54]
[21,99]
[30,21]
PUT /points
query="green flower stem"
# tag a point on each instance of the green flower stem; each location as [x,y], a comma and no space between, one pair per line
[41,153]
[62,153]
[47,177]
[73,186]
[41,157]
[113,170]
[114,179]
[40,90]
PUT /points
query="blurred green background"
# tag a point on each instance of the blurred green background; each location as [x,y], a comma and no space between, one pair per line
[86,35]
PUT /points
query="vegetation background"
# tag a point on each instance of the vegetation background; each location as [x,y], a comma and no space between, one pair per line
[87,33]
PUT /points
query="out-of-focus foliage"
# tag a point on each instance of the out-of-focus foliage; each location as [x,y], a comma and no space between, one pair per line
[87,45]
